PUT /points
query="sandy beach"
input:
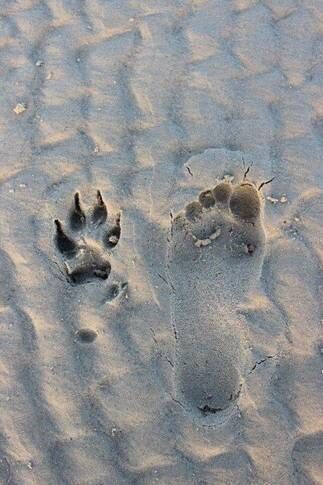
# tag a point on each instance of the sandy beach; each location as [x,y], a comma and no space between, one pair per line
[160,302]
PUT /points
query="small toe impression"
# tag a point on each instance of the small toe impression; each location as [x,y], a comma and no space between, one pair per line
[222,192]
[193,211]
[77,215]
[207,199]
[245,202]
[178,222]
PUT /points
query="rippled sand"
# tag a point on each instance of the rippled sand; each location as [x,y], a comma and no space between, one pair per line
[152,102]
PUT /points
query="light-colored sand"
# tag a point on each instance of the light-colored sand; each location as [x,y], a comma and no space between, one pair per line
[151,102]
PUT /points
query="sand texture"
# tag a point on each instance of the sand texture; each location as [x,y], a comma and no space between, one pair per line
[151,333]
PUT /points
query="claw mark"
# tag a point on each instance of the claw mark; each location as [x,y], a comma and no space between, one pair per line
[99,197]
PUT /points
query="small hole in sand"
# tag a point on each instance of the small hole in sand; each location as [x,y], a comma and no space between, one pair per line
[250,248]
[86,335]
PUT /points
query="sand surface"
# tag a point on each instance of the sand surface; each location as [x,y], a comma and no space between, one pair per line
[151,102]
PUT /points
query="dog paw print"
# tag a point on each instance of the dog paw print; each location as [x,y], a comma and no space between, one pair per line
[85,245]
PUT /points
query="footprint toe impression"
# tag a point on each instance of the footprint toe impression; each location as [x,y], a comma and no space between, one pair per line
[223,234]
[245,202]
[207,199]
[85,256]
[222,192]
[193,211]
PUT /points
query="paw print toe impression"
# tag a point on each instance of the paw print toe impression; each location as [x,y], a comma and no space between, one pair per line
[85,245]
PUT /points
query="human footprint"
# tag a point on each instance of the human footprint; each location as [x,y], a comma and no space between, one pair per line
[215,256]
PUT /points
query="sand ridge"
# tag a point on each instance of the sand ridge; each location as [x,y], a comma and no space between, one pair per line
[151,103]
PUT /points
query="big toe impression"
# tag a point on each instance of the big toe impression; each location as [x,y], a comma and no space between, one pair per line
[245,202]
